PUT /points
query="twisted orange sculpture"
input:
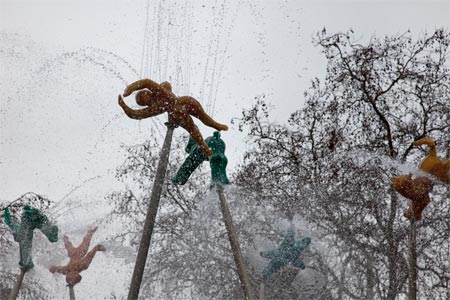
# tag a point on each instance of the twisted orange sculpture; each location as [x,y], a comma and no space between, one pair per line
[417,190]
[432,164]
[159,99]
[80,259]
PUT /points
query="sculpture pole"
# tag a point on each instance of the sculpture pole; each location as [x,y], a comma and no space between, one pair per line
[218,162]
[417,190]
[16,288]
[151,215]
[232,236]
[261,291]
[412,264]
[71,292]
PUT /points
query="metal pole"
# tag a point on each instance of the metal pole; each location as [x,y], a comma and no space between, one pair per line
[71,292]
[151,215]
[412,264]
[238,260]
[261,291]
[16,288]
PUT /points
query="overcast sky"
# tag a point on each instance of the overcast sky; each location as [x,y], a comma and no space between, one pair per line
[63,63]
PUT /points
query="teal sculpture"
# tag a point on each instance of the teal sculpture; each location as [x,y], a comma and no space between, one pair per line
[288,252]
[32,219]
[218,161]
[195,158]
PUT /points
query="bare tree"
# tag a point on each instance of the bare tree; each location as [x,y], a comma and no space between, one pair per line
[333,161]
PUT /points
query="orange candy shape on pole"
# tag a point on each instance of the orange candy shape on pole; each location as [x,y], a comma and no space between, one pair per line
[417,190]
[158,98]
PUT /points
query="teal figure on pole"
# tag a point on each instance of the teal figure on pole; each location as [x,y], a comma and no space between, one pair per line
[218,161]
[196,158]
[288,252]
[32,219]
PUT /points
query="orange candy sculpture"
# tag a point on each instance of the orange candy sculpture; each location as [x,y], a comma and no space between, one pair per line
[418,189]
[158,98]
[80,258]
[432,164]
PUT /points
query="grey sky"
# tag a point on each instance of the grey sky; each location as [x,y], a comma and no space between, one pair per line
[59,121]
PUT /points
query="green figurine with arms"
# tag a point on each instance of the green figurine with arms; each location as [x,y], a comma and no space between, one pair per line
[218,161]
[32,219]
[195,158]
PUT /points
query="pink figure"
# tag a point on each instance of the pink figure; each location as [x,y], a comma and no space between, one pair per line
[80,258]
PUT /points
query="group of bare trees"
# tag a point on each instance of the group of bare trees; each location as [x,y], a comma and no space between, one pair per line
[332,162]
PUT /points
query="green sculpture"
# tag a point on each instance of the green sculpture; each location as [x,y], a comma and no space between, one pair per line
[288,252]
[196,158]
[218,161]
[32,218]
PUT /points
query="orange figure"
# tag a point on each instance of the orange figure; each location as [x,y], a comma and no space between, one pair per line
[80,258]
[432,164]
[159,99]
[417,190]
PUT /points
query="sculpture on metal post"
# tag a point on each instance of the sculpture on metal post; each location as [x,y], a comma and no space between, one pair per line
[417,190]
[218,161]
[31,219]
[287,253]
[79,258]
[158,98]
[195,158]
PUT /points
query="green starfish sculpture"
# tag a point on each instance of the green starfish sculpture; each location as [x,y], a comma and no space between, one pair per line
[288,252]
[32,218]
[218,161]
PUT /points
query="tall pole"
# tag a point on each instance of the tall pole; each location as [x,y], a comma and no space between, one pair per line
[71,292]
[16,288]
[412,262]
[151,215]
[242,272]
[261,291]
